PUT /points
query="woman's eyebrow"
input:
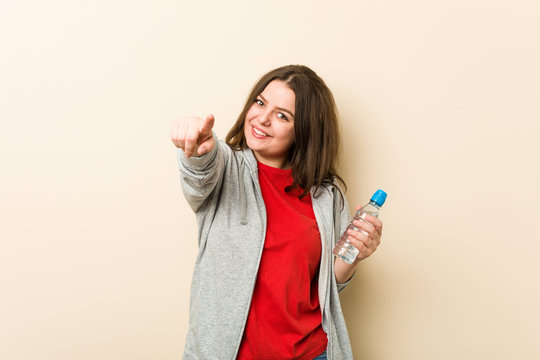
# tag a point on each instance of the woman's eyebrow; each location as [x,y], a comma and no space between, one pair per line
[279,108]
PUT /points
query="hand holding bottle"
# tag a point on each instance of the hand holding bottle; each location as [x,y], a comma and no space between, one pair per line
[194,135]
[368,238]
[363,235]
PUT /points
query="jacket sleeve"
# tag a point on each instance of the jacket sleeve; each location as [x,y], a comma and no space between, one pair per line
[342,218]
[201,175]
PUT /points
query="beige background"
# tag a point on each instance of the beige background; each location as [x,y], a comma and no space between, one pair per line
[440,106]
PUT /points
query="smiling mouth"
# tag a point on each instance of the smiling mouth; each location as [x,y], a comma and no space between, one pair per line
[259,133]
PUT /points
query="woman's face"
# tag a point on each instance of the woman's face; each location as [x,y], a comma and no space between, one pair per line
[269,124]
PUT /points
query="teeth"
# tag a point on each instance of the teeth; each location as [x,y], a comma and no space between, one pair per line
[258,132]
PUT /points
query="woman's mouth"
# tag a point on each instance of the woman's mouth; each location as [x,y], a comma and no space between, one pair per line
[259,133]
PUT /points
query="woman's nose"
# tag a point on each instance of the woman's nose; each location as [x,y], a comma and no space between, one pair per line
[265,118]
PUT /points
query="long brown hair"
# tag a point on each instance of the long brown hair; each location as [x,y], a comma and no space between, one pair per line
[314,154]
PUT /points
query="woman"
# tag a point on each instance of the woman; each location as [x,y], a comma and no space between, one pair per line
[269,211]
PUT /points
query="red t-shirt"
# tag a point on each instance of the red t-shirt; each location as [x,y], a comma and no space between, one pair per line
[284,320]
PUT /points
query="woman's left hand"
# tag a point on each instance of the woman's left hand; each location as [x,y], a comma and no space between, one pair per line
[368,238]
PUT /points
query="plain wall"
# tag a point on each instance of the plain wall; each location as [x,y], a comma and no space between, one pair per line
[439,104]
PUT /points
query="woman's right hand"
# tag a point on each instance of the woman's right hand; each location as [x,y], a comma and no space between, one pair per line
[194,135]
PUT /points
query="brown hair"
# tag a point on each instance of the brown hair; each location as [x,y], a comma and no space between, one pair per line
[314,154]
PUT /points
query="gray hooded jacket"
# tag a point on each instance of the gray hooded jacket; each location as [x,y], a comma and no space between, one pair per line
[222,188]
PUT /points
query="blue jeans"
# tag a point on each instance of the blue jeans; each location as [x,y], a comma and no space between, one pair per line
[321,357]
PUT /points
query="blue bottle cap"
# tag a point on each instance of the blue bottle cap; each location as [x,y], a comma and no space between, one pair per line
[379,197]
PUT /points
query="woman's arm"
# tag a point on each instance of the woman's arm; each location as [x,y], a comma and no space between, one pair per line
[343,271]
[200,162]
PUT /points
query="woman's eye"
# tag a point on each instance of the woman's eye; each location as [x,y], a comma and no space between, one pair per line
[259,102]
[282,116]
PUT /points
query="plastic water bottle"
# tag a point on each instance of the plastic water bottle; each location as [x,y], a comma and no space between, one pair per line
[344,249]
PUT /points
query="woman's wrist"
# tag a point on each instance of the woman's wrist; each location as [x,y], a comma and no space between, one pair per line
[344,271]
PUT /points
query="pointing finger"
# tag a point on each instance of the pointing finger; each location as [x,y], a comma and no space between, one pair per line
[207,124]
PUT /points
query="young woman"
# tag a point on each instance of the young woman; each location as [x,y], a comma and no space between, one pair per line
[269,211]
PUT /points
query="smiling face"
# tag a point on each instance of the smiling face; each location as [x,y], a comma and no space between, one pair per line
[269,124]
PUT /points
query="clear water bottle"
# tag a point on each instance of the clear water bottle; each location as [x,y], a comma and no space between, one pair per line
[344,249]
